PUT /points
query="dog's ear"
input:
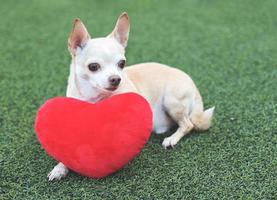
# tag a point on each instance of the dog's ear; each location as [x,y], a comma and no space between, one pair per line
[78,37]
[121,29]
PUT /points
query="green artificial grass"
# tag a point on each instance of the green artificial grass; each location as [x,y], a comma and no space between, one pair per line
[228,47]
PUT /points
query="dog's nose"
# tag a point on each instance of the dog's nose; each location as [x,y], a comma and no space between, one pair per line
[114,80]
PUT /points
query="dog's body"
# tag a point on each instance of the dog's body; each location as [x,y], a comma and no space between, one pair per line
[96,73]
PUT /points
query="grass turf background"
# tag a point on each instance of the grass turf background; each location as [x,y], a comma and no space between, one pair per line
[228,47]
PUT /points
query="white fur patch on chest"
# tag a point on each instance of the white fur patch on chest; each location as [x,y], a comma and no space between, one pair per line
[161,121]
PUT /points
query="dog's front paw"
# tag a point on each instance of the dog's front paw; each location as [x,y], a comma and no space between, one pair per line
[170,142]
[58,172]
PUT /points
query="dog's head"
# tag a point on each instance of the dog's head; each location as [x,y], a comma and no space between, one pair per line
[99,61]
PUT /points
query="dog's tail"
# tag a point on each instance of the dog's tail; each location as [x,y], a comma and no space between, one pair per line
[203,120]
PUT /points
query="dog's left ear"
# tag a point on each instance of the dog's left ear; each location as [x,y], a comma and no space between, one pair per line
[121,29]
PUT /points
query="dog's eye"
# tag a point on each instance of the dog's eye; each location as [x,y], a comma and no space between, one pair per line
[93,67]
[121,64]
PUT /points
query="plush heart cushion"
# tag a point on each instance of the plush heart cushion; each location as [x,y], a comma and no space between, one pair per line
[94,140]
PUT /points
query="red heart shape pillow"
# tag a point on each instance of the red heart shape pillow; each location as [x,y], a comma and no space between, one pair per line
[94,140]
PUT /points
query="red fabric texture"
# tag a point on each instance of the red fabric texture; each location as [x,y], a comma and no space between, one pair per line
[98,139]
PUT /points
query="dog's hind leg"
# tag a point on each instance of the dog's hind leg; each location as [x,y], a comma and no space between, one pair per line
[185,126]
[178,109]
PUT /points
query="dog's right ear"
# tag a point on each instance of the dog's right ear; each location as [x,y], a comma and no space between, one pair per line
[78,37]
